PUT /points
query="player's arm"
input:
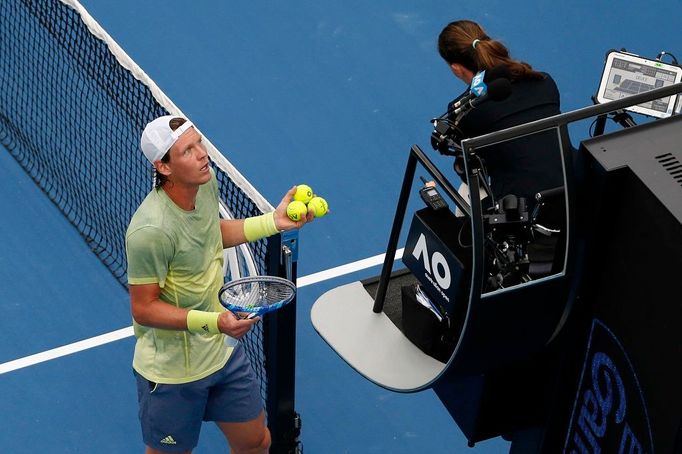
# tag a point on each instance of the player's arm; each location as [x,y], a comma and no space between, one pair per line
[238,231]
[149,310]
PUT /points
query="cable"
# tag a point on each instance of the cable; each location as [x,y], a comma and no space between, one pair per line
[590,131]
[663,53]
[459,237]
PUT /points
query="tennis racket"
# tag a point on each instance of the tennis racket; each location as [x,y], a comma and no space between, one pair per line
[256,295]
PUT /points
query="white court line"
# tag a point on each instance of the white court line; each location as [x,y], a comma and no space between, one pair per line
[122,333]
[344,269]
[66,350]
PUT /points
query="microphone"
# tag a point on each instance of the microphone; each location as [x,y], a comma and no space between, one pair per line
[498,90]
[478,85]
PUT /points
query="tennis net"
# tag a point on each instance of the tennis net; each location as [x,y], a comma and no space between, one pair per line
[72,107]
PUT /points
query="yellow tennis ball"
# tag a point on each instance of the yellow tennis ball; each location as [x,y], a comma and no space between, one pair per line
[303,193]
[319,206]
[296,210]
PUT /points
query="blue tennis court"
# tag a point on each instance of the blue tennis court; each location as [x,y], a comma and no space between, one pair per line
[331,94]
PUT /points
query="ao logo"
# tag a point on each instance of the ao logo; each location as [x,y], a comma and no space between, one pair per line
[440,270]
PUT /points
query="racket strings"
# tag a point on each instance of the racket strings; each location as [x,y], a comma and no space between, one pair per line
[256,294]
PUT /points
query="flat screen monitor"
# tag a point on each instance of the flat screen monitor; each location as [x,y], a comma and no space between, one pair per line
[627,74]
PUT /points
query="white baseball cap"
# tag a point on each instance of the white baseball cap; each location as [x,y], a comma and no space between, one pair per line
[158,137]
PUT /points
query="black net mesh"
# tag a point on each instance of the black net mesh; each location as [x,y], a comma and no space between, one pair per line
[71,115]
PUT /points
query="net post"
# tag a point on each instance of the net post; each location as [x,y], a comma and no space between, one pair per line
[279,338]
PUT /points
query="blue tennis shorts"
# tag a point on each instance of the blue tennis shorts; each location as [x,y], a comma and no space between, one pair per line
[171,415]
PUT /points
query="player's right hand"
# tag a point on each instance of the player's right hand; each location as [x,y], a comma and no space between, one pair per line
[282,221]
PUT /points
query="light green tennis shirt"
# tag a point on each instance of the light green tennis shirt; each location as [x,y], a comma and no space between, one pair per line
[181,251]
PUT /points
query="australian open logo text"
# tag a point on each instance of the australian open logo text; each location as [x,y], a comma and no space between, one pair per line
[436,268]
[609,413]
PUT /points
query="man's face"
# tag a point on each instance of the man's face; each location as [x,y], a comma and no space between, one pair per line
[188,163]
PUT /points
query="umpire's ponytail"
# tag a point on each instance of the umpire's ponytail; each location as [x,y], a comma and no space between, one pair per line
[466,43]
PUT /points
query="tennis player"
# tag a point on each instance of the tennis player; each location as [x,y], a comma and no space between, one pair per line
[185,372]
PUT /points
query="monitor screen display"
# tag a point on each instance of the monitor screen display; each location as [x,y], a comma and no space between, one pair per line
[626,75]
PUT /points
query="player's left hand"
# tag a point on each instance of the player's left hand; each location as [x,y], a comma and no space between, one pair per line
[282,221]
